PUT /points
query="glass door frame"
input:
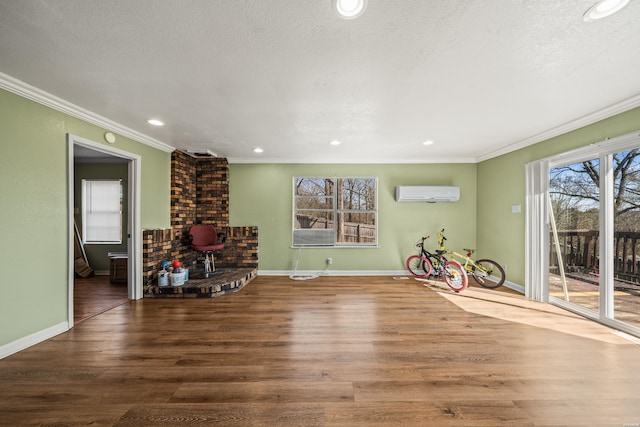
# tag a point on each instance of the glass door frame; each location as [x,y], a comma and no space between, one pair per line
[537,227]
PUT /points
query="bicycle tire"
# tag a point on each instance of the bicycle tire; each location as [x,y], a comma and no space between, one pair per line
[418,266]
[455,276]
[491,275]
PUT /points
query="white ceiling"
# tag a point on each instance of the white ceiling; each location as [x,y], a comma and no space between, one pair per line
[479,77]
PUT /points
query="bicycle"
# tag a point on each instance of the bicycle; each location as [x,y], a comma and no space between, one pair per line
[486,272]
[427,264]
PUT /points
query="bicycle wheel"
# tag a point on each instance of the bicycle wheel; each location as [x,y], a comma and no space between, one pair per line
[488,273]
[455,276]
[419,266]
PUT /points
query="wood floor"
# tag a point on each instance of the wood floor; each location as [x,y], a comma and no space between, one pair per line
[95,295]
[334,351]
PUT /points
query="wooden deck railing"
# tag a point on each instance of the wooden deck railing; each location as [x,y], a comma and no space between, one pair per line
[580,252]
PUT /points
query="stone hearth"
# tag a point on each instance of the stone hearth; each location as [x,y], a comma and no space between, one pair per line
[222,282]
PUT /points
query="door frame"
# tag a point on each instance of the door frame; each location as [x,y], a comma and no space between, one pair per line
[134,244]
[537,228]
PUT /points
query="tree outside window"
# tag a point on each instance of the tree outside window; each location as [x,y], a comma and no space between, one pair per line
[334,211]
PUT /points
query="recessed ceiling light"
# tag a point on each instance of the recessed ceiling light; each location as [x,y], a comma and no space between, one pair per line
[258,150]
[349,9]
[602,9]
[428,142]
[155,122]
[335,142]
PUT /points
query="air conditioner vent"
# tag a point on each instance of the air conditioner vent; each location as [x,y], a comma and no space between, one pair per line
[425,193]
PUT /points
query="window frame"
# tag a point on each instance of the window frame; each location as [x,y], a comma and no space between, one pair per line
[329,238]
[537,226]
[86,222]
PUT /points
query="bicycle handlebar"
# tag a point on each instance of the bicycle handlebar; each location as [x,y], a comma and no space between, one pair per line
[421,242]
[441,238]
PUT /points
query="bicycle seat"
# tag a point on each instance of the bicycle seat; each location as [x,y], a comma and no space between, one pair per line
[441,251]
[469,250]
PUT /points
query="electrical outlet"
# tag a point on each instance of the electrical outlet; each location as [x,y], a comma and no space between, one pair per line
[329,261]
[504,267]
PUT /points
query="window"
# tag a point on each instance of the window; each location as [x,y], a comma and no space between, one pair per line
[330,211]
[102,211]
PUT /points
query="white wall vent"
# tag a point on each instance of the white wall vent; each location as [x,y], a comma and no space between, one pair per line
[421,193]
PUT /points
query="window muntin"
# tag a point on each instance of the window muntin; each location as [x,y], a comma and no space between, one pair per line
[335,211]
[102,211]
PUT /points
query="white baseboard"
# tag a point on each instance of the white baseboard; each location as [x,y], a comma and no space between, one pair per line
[33,339]
[514,286]
[333,272]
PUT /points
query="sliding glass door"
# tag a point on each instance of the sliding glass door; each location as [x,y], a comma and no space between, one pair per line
[626,238]
[574,218]
[583,231]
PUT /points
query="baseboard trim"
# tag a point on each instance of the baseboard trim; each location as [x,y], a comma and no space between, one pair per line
[33,339]
[333,272]
[514,286]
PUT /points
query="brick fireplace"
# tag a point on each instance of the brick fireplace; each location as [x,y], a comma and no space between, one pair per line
[199,195]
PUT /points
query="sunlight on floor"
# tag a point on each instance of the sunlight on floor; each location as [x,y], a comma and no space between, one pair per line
[515,308]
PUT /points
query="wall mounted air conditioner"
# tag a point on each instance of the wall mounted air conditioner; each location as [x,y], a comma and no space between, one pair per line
[422,193]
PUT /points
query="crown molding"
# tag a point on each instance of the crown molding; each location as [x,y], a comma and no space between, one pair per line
[605,113]
[42,97]
[25,90]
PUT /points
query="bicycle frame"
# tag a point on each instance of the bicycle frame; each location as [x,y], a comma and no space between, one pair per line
[480,270]
[426,264]
[438,257]
[467,262]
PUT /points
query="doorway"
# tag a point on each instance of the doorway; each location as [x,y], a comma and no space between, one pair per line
[97,293]
[583,231]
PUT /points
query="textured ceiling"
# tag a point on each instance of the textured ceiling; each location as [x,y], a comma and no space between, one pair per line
[477,77]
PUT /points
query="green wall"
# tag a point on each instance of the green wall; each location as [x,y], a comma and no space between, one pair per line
[33,196]
[33,166]
[261,195]
[501,184]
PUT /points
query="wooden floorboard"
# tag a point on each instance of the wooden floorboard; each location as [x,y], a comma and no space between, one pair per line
[333,351]
[96,294]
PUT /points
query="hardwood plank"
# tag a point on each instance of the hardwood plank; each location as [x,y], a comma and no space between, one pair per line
[233,415]
[95,295]
[264,391]
[334,351]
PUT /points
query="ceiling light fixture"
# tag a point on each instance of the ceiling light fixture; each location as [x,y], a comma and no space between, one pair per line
[602,9]
[349,9]
[155,122]
[428,142]
[258,150]
[335,142]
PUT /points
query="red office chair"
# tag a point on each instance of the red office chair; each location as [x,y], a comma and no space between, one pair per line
[204,238]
